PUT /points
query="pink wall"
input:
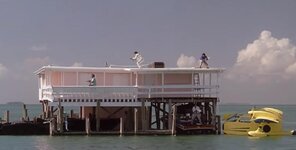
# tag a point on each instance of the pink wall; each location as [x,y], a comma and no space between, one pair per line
[177,79]
[70,78]
[149,79]
[118,79]
[56,78]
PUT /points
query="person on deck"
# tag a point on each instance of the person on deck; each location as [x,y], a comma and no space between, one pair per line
[138,58]
[92,81]
[196,114]
[203,60]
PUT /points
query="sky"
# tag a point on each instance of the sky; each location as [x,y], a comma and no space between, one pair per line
[253,40]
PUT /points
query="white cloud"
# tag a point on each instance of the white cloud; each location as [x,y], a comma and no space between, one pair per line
[77,64]
[291,69]
[3,70]
[37,62]
[265,58]
[186,61]
[39,48]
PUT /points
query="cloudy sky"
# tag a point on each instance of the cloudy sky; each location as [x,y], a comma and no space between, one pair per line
[254,40]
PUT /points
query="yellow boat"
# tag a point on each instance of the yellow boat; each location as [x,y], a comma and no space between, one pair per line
[258,122]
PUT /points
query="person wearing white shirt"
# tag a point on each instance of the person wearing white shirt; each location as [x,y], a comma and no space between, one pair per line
[196,113]
[138,58]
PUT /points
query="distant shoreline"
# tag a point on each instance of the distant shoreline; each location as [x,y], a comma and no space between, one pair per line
[250,104]
[19,103]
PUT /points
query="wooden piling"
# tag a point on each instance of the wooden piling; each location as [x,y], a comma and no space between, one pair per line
[174,120]
[60,117]
[135,120]
[218,126]
[164,116]
[98,116]
[150,117]
[121,126]
[170,115]
[143,116]
[43,110]
[52,126]
[71,113]
[157,117]
[51,111]
[46,110]
[6,116]
[147,110]
[80,112]
[25,113]
[87,126]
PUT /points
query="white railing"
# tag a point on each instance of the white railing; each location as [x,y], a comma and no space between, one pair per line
[170,91]
[47,93]
[128,92]
[95,92]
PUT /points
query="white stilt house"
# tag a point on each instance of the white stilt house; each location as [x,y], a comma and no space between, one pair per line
[127,88]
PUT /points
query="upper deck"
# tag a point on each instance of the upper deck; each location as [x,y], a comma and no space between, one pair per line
[125,86]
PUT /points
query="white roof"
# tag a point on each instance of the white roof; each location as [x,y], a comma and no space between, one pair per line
[127,69]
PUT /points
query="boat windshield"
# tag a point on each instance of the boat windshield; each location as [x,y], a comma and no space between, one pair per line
[233,118]
[245,119]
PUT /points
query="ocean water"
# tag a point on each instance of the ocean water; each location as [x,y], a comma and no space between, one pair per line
[205,142]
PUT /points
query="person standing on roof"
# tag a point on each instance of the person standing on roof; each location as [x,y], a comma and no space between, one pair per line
[203,60]
[138,58]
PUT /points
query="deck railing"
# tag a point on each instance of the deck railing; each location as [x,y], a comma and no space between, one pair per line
[169,91]
[128,92]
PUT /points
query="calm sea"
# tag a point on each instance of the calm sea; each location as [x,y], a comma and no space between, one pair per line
[205,142]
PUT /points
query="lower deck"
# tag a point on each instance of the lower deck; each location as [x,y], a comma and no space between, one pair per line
[161,116]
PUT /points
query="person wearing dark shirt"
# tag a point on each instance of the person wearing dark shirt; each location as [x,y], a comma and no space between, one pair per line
[203,60]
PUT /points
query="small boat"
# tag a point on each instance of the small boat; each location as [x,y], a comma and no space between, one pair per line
[257,122]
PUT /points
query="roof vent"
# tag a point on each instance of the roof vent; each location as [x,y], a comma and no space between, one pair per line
[156,65]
